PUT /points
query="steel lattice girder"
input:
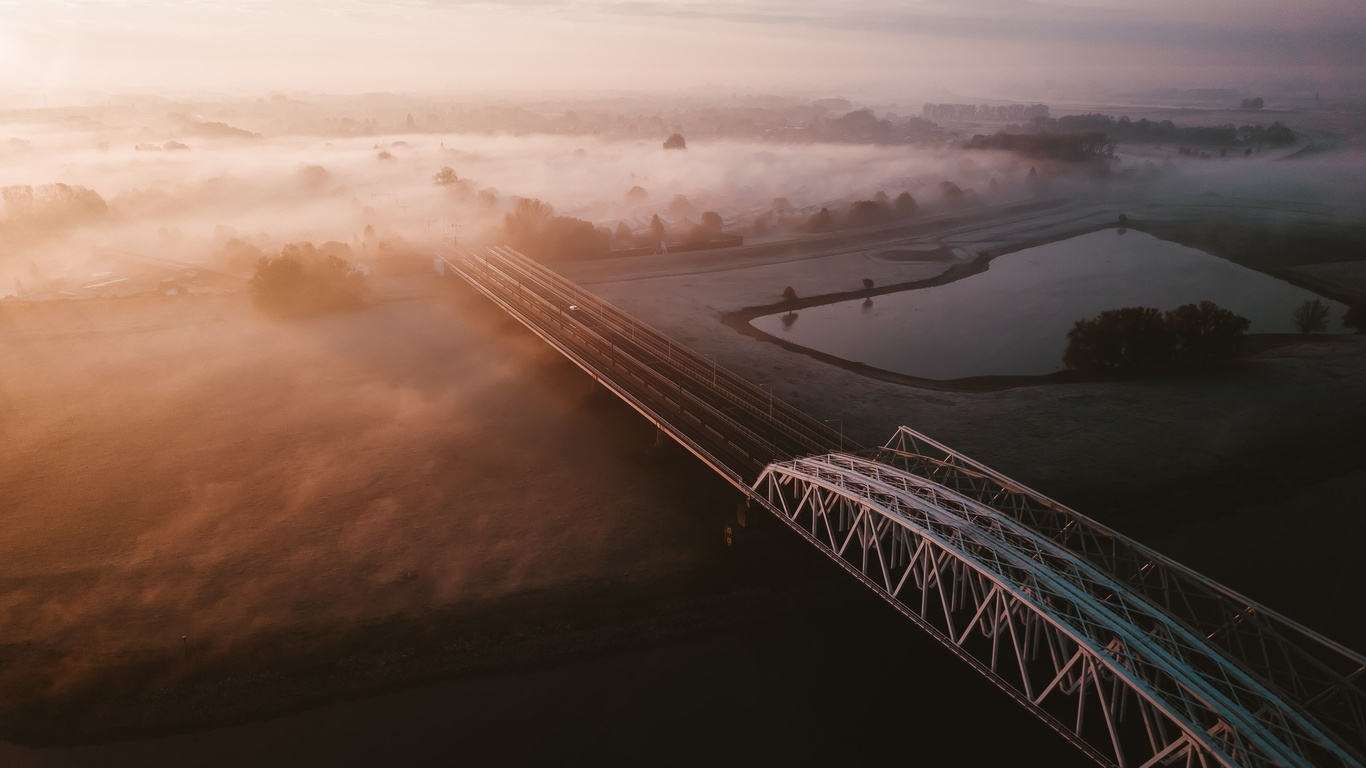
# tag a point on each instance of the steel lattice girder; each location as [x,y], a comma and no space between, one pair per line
[1322,678]
[1076,634]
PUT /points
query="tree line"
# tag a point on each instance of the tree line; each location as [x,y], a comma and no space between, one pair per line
[1135,340]
[1145,131]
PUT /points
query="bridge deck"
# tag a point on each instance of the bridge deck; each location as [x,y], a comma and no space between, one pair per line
[731,424]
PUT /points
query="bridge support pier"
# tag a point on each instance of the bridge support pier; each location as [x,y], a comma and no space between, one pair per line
[661,438]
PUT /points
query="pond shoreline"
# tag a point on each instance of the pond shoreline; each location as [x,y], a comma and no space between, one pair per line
[741,321]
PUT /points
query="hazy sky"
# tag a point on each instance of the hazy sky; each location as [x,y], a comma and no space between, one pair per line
[912,45]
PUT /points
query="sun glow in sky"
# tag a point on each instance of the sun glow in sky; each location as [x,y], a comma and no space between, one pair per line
[593,44]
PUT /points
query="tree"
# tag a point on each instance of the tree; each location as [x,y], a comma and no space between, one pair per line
[782,206]
[675,141]
[711,222]
[821,221]
[1312,317]
[636,195]
[951,192]
[1355,318]
[445,177]
[789,294]
[1205,331]
[680,207]
[303,280]
[905,204]
[623,232]
[313,177]
[868,283]
[657,229]
[1128,340]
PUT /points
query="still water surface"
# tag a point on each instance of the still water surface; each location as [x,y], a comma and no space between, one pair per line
[1013,319]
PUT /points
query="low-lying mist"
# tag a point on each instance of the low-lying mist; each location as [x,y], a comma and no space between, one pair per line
[68,194]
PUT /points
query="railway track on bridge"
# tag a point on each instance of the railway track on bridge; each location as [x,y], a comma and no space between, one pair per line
[1135,659]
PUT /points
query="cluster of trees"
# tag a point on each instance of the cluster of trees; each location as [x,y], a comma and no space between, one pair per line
[1145,131]
[707,231]
[1061,147]
[1254,103]
[864,213]
[1141,339]
[30,213]
[533,228]
[302,280]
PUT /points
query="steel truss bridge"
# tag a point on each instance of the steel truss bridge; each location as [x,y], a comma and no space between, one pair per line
[1134,658]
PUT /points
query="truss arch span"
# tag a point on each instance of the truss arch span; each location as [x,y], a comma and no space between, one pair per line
[1097,661]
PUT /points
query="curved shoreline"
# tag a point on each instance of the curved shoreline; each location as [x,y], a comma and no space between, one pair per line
[740,320]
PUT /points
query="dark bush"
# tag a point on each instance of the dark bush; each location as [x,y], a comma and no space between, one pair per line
[675,141]
[789,293]
[302,280]
[1205,331]
[1128,340]
[1142,339]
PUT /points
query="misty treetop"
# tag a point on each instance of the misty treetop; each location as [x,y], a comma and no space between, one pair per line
[533,228]
[30,213]
[304,280]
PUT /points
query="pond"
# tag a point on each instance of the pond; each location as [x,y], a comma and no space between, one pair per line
[1013,318]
